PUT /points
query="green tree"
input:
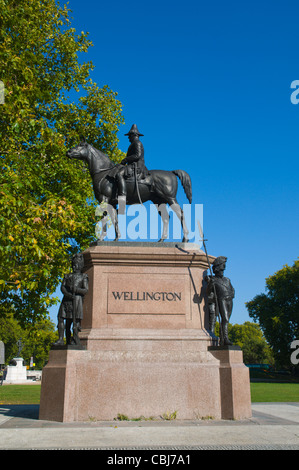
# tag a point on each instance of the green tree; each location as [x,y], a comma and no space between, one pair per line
[277,311]
[10,333]
[36,339]
[251,340]
[46,202]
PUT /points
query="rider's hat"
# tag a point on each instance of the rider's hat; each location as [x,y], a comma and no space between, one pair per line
[134,130]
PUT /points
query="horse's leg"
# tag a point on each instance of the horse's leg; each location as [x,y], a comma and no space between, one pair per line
[162,211]
[103,199]
[180,213]
[113,214]
[104,226]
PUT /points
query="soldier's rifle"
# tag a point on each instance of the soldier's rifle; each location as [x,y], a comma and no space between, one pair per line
[75,326]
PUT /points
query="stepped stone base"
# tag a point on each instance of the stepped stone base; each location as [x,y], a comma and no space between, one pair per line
[147,348]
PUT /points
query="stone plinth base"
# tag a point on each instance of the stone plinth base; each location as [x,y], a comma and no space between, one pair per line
[16,374]
[150,374]
[234,383]
[146,343]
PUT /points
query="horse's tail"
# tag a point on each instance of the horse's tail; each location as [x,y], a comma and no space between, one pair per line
[186,183]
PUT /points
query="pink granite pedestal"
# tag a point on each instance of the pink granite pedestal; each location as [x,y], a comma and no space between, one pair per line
[148,351]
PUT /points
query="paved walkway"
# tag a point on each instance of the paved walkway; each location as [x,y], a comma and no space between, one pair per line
[272,426]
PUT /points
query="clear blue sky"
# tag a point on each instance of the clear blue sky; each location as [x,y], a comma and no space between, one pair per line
[208,84]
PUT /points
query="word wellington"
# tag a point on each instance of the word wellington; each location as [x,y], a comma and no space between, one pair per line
[142,296]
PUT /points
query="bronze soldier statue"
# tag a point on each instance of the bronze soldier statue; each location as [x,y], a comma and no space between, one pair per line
[220,298]
[74,286]
[132,165]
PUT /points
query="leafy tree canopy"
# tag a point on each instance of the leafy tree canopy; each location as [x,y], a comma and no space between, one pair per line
[277,311]
[46,201]
[36,340]
[251,340]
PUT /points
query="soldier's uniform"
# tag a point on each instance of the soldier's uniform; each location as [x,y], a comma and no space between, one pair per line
[77,283]
[135,154]
[134,161]
[74,287]
[224,293]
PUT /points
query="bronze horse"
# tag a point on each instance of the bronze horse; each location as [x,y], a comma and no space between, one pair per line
[160,187]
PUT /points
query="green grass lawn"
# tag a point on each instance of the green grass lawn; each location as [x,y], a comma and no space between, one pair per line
[260,392]
[272,391]
[20,394]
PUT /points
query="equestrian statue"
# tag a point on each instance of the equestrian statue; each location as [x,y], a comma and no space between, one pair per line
[130,182]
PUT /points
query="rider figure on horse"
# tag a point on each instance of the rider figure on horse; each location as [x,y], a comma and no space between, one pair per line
[132,164]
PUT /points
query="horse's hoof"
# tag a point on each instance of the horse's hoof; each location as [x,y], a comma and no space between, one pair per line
[161,240]
[185,240]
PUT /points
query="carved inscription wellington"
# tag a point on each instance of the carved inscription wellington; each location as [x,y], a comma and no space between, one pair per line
[144,296]
[141,294]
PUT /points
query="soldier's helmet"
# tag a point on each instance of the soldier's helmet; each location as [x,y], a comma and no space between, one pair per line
[79,260]
[221,260]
